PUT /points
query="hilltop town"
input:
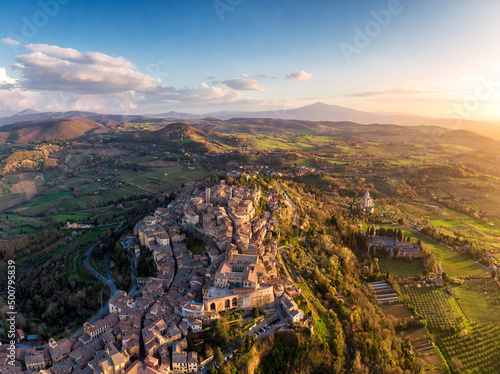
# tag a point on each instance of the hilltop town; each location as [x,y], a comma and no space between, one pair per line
[146,328]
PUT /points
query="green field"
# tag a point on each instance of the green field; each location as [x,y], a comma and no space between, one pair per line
[444,222]
[479,299]
[42,257]
[399,268]
[75,267]
[25,229]
[454,264]
[43,203]
[70,217]
[162,179]
[93,201]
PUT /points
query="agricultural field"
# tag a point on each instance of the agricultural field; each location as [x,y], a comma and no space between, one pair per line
[162,178]
[70,217]
[465,324]
[438,308]
[477,348]
[454,264]
[398,311]
[421,343]
[479,299]
[472,229]
[43,204]
[400,268]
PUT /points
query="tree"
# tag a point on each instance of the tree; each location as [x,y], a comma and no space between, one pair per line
[209,352]
[218,357]
[248,342]
[218,334]
[226,369]
[400,235]
[239,341]
[456,365]
[255,312]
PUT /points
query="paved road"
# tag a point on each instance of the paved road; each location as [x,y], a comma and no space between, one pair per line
[110,282]
[107,281]
[278,313]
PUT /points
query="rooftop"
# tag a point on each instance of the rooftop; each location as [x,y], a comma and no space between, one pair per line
[217,292]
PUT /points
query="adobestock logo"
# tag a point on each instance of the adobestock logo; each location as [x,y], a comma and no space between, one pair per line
[31,25]
[364,36]
[156,70]
[471,103]
[224,6]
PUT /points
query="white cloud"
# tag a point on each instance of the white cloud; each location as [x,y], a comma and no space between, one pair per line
[10,41]
[68,54]
[16,99]
[202,92]
[52,68]
[4,79]
[53,78]
[300,76]
[245,84]
[245,76]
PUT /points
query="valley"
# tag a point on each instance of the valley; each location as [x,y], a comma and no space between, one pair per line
[436,186]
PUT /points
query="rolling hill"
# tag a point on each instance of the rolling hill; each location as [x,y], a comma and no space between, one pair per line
[180,135]
[324,112]
[33,115]
[318,112]
[39,131]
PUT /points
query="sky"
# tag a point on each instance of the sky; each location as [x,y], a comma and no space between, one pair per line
[425,57]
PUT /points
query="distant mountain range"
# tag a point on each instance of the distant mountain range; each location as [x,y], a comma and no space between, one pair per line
[33,115]
[325,112]
[313,112]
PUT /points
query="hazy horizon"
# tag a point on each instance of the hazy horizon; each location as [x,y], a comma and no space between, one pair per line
[414,58]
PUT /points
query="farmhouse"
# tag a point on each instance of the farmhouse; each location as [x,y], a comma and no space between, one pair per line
[406,249]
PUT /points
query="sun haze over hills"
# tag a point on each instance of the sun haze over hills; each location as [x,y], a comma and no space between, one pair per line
[394,57]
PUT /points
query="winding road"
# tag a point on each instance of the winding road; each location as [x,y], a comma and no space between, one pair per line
[108,281]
